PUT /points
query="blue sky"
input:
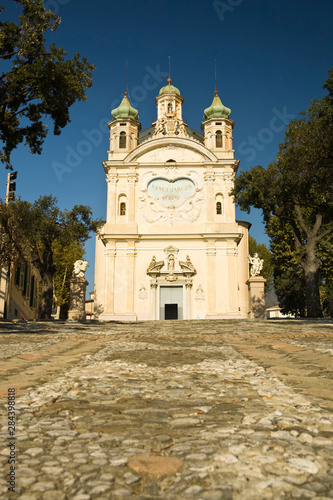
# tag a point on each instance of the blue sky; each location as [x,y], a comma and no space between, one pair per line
[272,59]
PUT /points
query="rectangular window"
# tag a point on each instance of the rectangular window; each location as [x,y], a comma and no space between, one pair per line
[26,291]
[32,291]
[22,275]
[17,275]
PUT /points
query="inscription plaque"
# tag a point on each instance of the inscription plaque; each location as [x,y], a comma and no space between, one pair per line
[171,193]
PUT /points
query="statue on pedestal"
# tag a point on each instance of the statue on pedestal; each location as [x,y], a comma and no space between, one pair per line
[256,264]
[80,268]
[78,286]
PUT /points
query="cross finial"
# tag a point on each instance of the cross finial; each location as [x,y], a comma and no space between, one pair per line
[215,79]
[125,79]
[169,79]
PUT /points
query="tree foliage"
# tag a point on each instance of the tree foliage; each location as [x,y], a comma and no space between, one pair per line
[38,232]
[40,82]
[297,188]
[325,251]
[64,258]
[13,218]
[289,283]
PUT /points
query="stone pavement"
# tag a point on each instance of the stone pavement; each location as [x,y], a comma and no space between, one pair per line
[170,410]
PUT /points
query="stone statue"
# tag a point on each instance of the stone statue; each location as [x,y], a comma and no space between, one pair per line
[80,268]
[159,127]
[182,129]
[256,264]
[171,262]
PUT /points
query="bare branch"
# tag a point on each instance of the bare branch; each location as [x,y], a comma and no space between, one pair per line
[324,233]
[317,224]
[11,54]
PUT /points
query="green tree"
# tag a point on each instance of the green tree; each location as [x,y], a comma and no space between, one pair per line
[297,188]
[12,226]
[325,251]
[40,82]
[33,231]
[289,284]
[289,280]
[64,258]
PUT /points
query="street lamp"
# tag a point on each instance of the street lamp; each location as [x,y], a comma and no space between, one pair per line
[11,187]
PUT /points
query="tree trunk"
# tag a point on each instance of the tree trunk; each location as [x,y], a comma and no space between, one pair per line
[313,305]
[47,297]
[311,265]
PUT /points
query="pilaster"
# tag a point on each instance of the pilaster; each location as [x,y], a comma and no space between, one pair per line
[110,278]
[209,178]
[188,293]
[111,208]
[211,277]
[153,299]
[232,279]
[131,179]
[131,253]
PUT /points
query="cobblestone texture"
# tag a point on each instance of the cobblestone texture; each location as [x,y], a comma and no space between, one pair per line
[202,410]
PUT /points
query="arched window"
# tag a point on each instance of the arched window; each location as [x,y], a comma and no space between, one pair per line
[219,204]
[169,107]
[122,140]
[122,202]
[122,208]
[218,139]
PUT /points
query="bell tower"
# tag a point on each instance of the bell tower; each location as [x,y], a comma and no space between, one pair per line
[124,130]
[169,112]
[217,128]
[169,102]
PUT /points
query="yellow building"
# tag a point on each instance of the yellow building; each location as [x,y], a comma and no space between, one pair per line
[171,247]
[19,294]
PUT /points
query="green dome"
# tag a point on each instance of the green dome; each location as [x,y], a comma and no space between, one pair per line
[169,89]
[216,110]
[125,110]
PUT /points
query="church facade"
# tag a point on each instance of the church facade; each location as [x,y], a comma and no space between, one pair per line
[171,247]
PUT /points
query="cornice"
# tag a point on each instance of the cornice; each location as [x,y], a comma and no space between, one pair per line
[157,142]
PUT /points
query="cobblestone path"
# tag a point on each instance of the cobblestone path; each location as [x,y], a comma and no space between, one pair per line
[202,410]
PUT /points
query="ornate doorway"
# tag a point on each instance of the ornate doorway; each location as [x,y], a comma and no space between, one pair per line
[171,283]
[171,302]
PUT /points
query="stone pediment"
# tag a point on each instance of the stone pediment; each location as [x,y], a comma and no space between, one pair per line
[170,269]
[171,249]
[162,150]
